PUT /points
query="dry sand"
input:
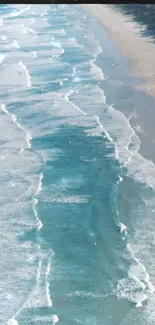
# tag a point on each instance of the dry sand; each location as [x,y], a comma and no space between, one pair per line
[126,33]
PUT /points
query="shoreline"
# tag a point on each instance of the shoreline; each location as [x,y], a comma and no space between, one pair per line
[140,51]
[126,35]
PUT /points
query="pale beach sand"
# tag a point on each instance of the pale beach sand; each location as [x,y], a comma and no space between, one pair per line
[126,33]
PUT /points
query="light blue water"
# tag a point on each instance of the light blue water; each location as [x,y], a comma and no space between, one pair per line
[71,175]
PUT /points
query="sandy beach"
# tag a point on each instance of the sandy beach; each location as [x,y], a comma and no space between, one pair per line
[126,33]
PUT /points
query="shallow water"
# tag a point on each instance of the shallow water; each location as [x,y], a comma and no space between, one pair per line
[71,174]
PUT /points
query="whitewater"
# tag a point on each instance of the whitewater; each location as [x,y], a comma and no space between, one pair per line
[77,195]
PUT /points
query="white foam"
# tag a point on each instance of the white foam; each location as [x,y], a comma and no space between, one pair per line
[67,99]
[60,198]
[138,167]
[143,269]
[12,321]
[137,287]
[101,127]
[15,44]
[2,56]
[54,319]
[123,228]
[132,289]
[99,123]
[28,139]
[27,30]
[39,223]
[35,202]
[58,45]
[107,135]
[2,106]
[96,71]
[34,54]
[1,22]
[110,128]
[92,45]
[49,301]
[19,12]
[81,293]
[40,295]
[139,303]
[39,271]
[76,79]
[72,43]
[50,319]
[118,126]
[24,69]
[14,119]
[116,154]
[39,188]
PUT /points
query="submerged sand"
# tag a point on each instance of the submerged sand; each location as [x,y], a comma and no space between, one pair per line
[139,50]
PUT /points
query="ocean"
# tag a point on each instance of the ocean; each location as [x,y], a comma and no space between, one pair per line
[77,183]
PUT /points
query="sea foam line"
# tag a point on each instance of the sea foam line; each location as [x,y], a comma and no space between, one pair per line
[58,45]
[96,70]
[132,153]
[19,12]
[67,99]
[28,136]
[14,119]
[147,278]
[145,281]
[35,202]
[13,321]
[39,188]
[24,68]
[39,223]
[101,127]
[41,284]
[49,301]
[107,135]
[15,44]
[28,29]
[146,284]
[39,271]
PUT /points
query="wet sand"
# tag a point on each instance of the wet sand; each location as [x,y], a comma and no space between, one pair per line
[140,54]
[139,50]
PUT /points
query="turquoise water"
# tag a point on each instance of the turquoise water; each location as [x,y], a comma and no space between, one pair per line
[71,175]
